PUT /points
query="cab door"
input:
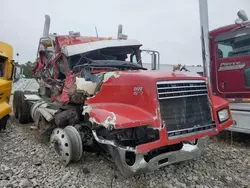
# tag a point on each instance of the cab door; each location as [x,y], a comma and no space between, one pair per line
[232,63]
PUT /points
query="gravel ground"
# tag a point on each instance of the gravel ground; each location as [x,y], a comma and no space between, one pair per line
[27,161]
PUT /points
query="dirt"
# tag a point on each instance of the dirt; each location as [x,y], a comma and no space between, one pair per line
[27,160]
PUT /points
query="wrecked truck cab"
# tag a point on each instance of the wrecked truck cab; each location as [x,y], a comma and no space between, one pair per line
[96,96]
[161,122]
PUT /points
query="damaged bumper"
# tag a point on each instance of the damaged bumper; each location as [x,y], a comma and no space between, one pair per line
[187,152]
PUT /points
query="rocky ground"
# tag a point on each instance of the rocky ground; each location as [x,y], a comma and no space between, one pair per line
[26,161]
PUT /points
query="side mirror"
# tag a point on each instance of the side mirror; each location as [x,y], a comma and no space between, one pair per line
[153,61]
[120,35]
[16,71]
[155,58]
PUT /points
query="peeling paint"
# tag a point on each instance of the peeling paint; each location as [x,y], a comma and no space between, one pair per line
[156,115]
[108,75]
[87,86]
[109,122]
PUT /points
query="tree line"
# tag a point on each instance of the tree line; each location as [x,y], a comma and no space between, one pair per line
[27,69]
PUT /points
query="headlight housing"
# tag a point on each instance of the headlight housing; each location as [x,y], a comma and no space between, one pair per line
[223,115]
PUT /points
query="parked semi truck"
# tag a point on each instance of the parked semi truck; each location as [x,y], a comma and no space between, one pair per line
[228,55]
[6,75]
[96,96]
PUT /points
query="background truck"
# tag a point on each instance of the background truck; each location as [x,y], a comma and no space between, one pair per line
[96,96]
[228,57]
[6,76]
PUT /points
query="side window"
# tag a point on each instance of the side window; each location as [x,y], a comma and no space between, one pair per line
[233,47]
[247,77]
[132,58]
[2,66]
[224,50]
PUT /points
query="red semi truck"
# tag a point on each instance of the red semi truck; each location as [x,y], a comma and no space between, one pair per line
[95,95]
[229,68]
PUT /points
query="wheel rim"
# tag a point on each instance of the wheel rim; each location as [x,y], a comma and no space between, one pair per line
[62,145]
[76,142]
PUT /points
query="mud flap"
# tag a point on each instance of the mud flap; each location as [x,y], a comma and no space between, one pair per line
[3,122]
[21,107]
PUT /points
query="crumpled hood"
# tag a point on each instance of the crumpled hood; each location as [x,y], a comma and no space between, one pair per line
[163,75]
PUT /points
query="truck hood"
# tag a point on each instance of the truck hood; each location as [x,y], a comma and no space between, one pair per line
[134,91]
[163,75]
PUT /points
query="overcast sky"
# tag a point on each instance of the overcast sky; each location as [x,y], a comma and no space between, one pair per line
[169,26]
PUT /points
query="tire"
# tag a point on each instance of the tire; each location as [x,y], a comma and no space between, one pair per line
[21,108]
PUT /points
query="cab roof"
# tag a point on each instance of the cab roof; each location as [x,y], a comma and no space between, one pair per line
[225,29]
[87,44]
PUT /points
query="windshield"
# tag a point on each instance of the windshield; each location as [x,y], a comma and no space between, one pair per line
[237,46]
[2,66]
[128,54]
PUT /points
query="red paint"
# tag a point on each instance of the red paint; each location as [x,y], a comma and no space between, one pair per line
[230,83]
[137,110]
[127,116]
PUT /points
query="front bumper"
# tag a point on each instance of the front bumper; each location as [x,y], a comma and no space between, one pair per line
[187,152]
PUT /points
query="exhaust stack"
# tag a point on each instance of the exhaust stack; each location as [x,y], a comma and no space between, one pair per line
[204,26]
[120,35]
[46,26]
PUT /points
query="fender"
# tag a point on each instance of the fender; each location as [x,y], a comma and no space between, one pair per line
[4,109]
[118,115]
[219,104]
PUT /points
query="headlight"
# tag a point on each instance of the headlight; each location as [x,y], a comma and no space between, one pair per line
[223,115]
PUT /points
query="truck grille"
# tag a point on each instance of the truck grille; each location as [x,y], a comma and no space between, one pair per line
[185,107]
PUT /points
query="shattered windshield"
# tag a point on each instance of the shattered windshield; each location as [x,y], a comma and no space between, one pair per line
[2,66]
[119,57]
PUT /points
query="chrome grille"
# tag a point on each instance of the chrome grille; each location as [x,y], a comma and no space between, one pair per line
[185,107]
[177,89]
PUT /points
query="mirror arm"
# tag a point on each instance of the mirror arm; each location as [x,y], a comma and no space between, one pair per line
[12,69]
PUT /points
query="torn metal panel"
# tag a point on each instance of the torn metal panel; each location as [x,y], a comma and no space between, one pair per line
[117,115]
[69,81]
[86,86]
[108,75]
[141,164]
[109,122]
[112,143]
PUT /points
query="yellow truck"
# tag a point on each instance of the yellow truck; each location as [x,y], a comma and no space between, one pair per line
[7,68]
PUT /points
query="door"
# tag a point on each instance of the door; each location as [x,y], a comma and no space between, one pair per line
[232,63]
